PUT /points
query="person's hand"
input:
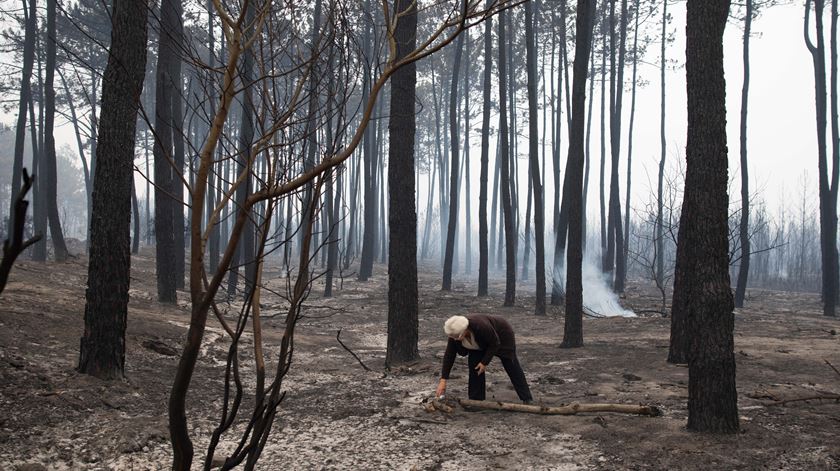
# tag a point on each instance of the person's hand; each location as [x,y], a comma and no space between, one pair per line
[480,368]
[441,389]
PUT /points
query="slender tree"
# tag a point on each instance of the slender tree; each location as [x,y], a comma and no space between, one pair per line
[49,171]
[453,175]
[402,217]
[702,293]
[659,242]
[615,237]
[165,87]
[573,327]
[23,103]
[468,193]
[744,236]
[630,133]
[483,256]
[370,227]
[510,234]
[533,141]
[102,350]
[831,213]
[827,192]
[603,201]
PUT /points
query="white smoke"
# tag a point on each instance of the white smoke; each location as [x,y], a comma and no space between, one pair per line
[598,297]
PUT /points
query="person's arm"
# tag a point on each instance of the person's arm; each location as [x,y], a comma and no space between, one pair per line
[448,361]
[448,358]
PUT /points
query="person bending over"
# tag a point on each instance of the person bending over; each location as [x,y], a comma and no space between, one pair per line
[482,337]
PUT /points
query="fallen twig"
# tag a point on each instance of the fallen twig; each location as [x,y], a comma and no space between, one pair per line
[566,409]
[337,337]
[422,420]
[832,366]
[832,397]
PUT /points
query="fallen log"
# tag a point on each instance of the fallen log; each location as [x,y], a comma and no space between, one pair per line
[565,409]
[822,397]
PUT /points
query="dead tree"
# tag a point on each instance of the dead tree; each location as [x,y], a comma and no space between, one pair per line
[102,349]
[573,328]
[703,304]
[14,245]
[204,286]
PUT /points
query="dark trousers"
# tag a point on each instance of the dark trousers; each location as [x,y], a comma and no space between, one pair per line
[513,369]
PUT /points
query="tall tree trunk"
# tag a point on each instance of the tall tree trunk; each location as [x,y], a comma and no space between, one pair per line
[311,143]
[483,255]
[533,140]
[573,328]
[453,176]
[835,163]
[828,204]
[513,147]
[615,238]
[427,231]
[135,207]
[587,153]
[333,195]
[526,252]
[148,188]
[81,147]
[440,160]
[702,293]
[383,188]
[510,234]
[603,200]
[102,348]
[626,253]
[179,153]
[166,85]
[468,193]
[370,226]
[744,263]
[350,251]
[215,190]
[23,103]
[245,250]
[39,211]
[558,126]
[659,241]
[494,212]
[50,173]
[402,218]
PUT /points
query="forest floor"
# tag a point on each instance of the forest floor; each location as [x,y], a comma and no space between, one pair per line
[338,416]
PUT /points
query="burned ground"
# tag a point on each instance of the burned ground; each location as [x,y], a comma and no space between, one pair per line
[338,416]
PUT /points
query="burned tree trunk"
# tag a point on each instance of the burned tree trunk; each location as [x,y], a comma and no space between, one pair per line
[483,256]
[510,235]
[102,349]
[533,141]
[49,173]
[744,236]
[702,293]
[402,218]
[166,86]
[573,328]
[453,176]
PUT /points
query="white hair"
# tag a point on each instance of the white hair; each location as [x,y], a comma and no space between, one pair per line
[455,325]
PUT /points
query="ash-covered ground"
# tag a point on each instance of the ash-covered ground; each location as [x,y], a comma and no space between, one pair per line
[336,415]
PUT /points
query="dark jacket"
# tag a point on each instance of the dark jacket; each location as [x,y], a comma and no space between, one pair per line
[493,335]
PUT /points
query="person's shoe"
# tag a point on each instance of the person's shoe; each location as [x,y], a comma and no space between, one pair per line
[527,402]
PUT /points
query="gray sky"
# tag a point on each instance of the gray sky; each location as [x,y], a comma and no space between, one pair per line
[782,129]
[781,124]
